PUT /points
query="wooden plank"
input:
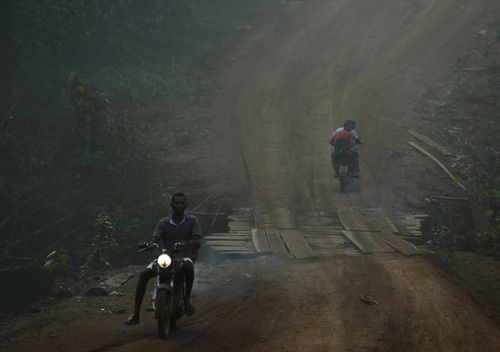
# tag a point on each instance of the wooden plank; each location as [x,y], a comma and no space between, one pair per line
[329,241]
[276,244]
[368,242]
[321,239]
[241,211]
[358,244]
[233,233]
[440,164]
[327,230]
[239,226]
[264,220]
[353,219]
[296,244]
[431,143]
[232,248]
[386,225]
[240,223]
[239,255]
[337,251]
[284,218]
[228,237]
[399,244]
[462,199]
[243,218]
[229,243]
[260,242]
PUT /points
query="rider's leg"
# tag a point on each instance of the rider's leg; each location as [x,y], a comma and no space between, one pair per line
[144,277]
[355,162]
[189,277]
[334,164]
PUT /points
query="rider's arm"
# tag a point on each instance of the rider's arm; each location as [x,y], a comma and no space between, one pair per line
[157,233]
[350,139]
[331,141]
[195,240]
[355,136]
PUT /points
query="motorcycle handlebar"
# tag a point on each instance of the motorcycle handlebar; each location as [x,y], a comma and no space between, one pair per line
[182,244]
[147,246]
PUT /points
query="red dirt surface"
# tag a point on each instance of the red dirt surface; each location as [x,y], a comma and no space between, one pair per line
[286,89]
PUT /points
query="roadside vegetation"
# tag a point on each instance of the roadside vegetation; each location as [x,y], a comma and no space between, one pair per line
[467,119]
[89,89]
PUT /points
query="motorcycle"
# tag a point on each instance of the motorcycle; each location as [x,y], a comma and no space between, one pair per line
[344,169]
[168,302]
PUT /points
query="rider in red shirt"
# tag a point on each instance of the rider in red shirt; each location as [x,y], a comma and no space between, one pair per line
[344,134]
[343,142]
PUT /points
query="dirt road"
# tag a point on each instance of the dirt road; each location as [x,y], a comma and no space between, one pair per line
[285,91]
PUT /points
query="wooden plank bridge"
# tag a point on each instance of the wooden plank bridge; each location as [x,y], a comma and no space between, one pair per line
[285,235]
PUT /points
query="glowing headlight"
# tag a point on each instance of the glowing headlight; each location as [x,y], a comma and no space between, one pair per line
[164,261]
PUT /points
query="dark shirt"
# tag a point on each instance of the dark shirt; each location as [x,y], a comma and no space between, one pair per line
[168,233]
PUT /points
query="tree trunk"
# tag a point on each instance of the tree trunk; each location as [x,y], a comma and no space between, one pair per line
[7,59]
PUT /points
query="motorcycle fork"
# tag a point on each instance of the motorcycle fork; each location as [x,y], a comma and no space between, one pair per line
[163,282]
[178,282]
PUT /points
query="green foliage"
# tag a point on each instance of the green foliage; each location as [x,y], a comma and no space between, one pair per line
[102,246]
[447,238]
[478,88]
[468,120]
[487,243]
[79,135]
[475,96]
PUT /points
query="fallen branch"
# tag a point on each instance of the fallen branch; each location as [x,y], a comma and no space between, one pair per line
[203,202]
[18,267]
[367,299]
[440,164]
[41,230]
[450,198]
[216,215]
[474,69]
[431,143]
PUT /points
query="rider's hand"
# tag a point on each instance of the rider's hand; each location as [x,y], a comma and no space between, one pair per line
[142,245]
[195,243]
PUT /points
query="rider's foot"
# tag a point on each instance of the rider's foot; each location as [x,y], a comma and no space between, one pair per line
[132,320]
[189,308]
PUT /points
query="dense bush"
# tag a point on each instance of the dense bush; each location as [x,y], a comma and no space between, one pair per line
[469,121]
[75,148]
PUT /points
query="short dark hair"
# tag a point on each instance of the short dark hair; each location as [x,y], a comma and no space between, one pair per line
[178,194]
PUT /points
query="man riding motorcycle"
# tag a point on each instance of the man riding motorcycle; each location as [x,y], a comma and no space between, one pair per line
[343,140]
[355,134]
[179,227]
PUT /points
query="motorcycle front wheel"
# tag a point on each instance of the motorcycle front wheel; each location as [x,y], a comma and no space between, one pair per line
[164,313]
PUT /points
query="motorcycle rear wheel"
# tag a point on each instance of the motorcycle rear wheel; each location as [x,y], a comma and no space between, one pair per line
[164,305]
[344,183]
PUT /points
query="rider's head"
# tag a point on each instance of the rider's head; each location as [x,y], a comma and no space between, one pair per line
[178,203]
[352,122]
[348,125]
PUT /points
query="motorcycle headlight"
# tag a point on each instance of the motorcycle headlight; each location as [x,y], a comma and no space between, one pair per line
[164,261]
